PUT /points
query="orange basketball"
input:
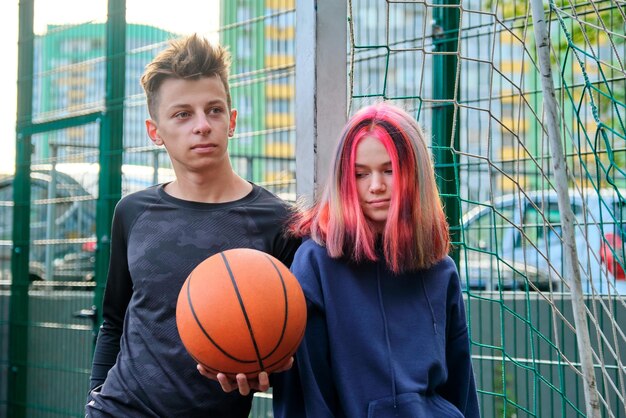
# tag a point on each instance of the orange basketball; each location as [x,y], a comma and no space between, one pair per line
[241,311]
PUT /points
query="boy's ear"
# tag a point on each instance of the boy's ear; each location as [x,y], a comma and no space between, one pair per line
[153,132]
[232,122]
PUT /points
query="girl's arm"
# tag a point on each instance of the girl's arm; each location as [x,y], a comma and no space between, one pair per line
[460,388]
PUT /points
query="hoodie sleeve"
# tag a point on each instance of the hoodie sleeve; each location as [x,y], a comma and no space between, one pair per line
[307,389]
[460,388]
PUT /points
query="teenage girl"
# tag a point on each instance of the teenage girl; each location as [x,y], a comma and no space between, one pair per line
[386,334]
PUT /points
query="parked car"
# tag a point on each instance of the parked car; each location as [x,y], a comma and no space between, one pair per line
[521,235]
[489,272]
[63,218]
[58,226]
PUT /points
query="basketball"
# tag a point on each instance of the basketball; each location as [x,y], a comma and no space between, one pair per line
[241,311]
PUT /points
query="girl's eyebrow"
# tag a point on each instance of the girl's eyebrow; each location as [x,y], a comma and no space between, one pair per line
[367,165]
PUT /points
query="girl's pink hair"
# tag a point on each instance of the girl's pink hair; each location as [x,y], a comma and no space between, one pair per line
[416,233]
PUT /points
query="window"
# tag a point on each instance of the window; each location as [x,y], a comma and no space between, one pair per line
[542,225]
[487,231]
[279,105]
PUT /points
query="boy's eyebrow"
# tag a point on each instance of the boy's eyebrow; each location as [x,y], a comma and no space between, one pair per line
[217,101]
[178,105]
[187,105]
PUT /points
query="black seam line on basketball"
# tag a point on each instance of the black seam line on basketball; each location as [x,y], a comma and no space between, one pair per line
[215,371]
[283,358]
[206,334]
[286,316]
[243,310]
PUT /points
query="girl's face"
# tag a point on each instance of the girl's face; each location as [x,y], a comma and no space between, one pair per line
[374,181]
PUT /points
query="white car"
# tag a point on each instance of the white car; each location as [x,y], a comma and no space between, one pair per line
[518,236]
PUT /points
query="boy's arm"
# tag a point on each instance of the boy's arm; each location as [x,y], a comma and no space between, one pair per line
[116,298]
[289,246]
[285,244]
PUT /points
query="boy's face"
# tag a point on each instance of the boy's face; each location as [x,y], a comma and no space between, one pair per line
[193,122]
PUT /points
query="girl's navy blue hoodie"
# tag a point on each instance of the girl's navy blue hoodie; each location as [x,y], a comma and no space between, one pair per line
[378,345]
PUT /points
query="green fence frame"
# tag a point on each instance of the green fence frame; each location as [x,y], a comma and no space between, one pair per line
[111,150]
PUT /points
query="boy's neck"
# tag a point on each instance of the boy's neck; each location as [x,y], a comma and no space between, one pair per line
[204,189]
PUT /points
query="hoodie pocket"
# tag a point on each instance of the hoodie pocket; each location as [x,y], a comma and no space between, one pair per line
[412,405]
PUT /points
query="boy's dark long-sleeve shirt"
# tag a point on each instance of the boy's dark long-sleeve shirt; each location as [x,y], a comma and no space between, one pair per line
[140,367]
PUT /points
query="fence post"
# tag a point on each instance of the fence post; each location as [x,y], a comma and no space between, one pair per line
[18,302]
[111,143]
[321,90]
[445,135]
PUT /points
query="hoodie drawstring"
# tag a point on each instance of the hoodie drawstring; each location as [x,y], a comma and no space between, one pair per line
[432,311]
[387,340]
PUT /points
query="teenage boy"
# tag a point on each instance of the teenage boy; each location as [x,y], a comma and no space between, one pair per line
[140,366]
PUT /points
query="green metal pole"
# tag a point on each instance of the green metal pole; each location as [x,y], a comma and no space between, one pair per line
[259,101]
[445,137]
[18,302]
[111,144]
[254,89]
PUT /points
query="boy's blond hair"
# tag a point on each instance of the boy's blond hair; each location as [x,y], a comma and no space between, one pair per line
[191,57]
